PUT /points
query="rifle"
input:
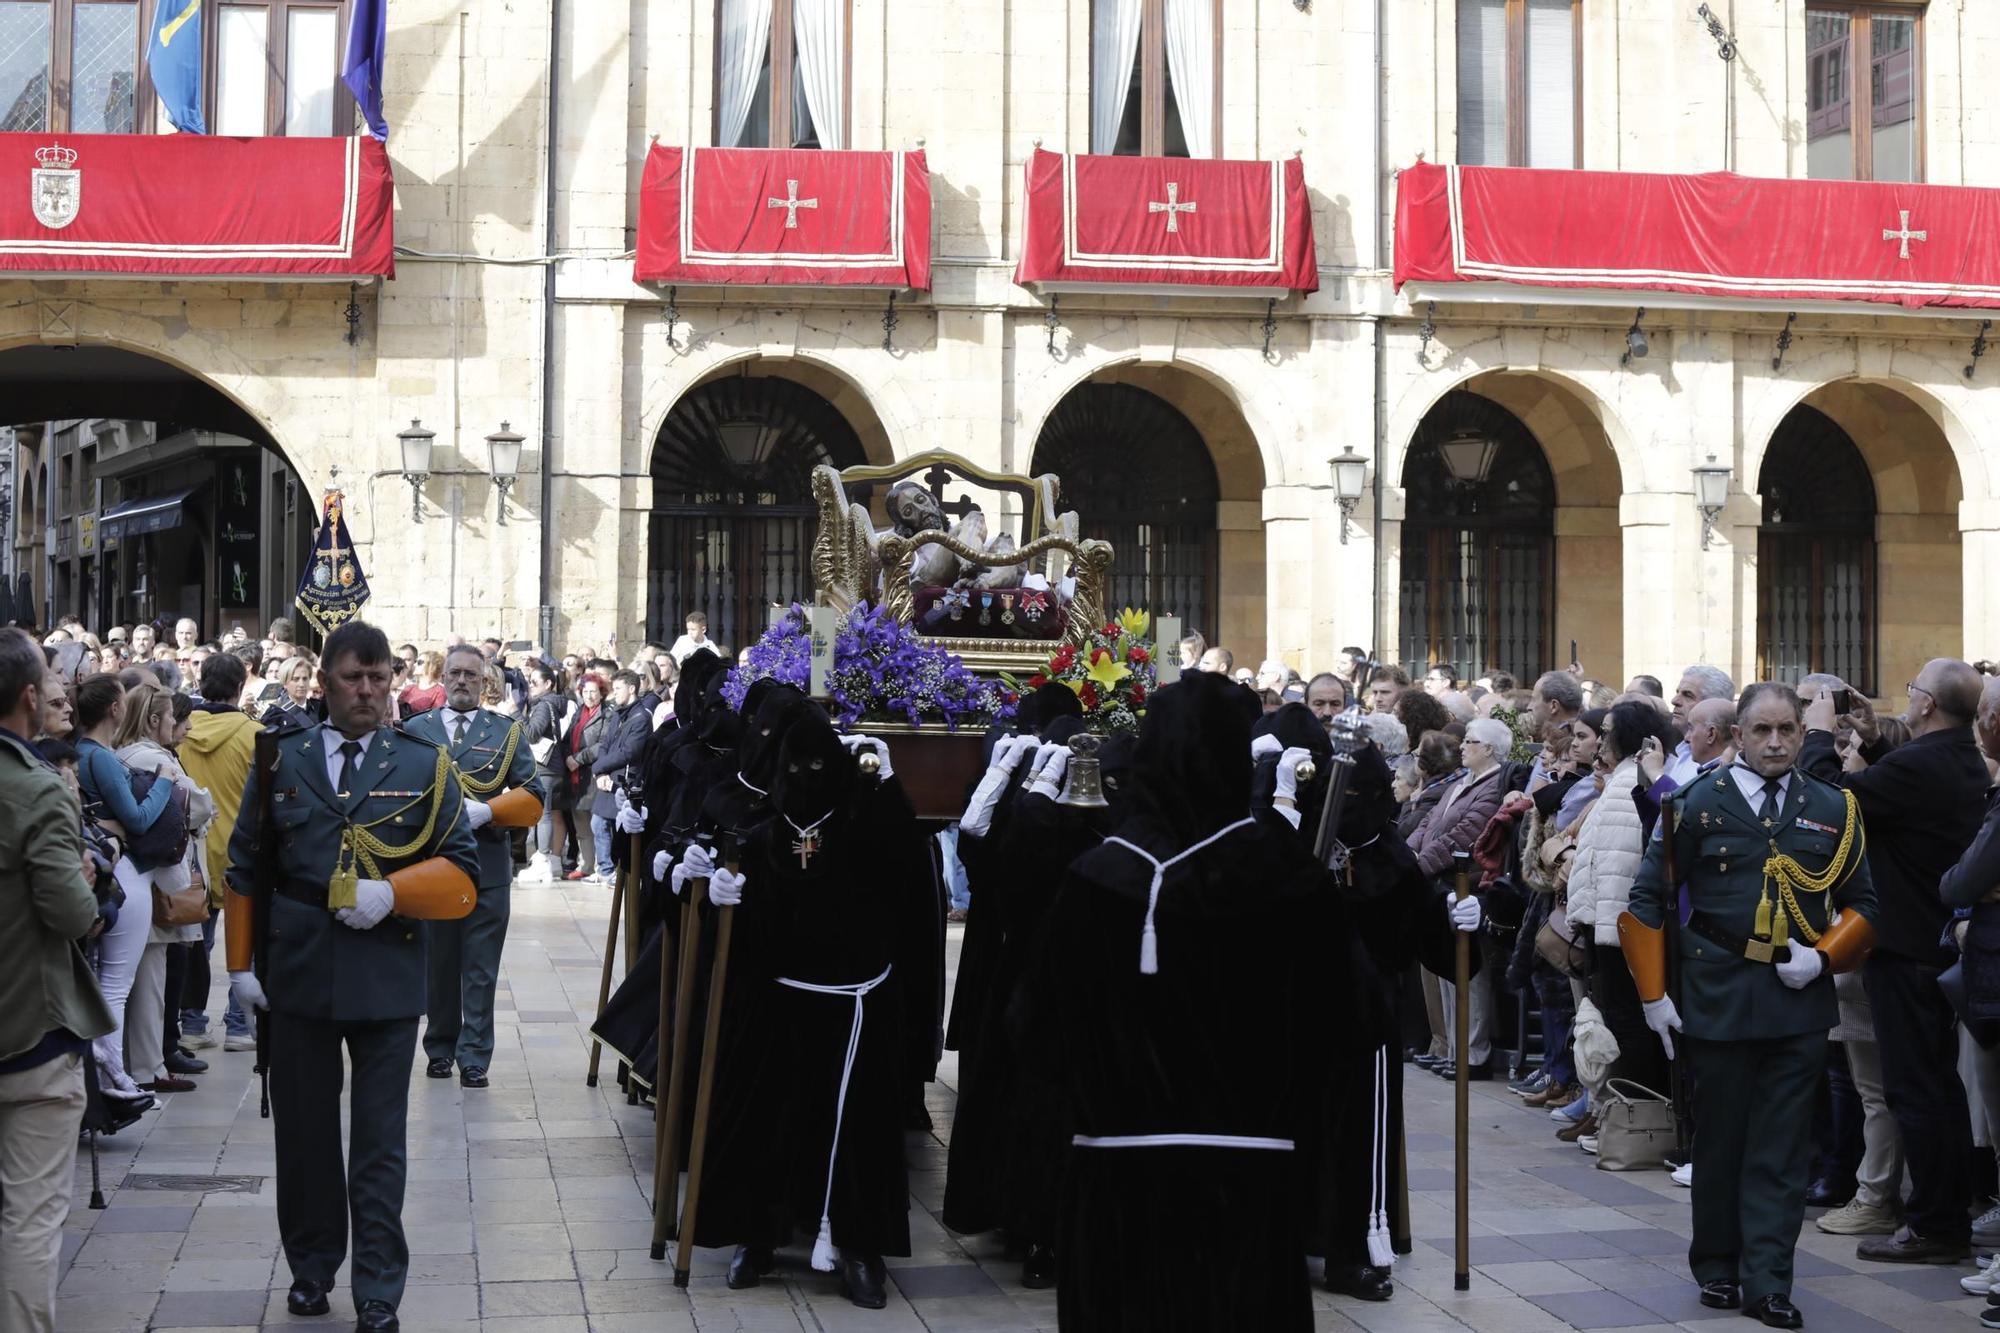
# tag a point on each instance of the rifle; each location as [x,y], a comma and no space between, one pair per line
[1670,919]
[264,883]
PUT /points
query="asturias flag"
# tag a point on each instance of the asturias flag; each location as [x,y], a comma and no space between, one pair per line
[367,39]
[173,59]
[332,588]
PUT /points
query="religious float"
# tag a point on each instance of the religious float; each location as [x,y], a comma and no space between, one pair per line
[942,592]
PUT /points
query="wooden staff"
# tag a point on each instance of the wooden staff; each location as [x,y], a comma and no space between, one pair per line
[1670,918]
[634,930]
[718,979]
[670,1070]
[1461,1276]
[610,951]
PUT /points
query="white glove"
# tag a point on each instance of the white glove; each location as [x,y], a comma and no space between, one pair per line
[478,813]
[1465,913]
[1288,770]
[372,900]
[857,743]
[725,887]
[978,817]
[1802,968]
[1050,765]
[1664,1020]
[631,818]
[1263,745]
[696,862]
[249,992]
[662,860]
[1008,753]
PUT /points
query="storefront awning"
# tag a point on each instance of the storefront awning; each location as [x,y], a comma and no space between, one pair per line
[784,217]
[1150,222]
[195,206]
[1734,240]
[133,518]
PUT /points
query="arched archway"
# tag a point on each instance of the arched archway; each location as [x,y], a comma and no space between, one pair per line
[733,522]
[1158,515]
[162,496]
[1816,555]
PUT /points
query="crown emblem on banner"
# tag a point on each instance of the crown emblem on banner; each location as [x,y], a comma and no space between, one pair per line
[56,156]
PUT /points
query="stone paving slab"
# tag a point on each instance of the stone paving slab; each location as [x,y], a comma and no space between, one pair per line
[527,1212]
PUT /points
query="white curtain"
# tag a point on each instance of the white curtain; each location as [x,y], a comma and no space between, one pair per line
[1551,84]
[1482,83]
[1114,43]
[1191,65]
[746,31]
[822,57]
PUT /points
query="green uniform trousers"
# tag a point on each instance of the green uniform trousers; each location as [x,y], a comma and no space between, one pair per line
[1753,1127]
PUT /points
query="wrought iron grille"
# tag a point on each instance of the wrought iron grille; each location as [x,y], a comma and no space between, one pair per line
[733,521]
[1140,476]
[1816,555]
[1478,575]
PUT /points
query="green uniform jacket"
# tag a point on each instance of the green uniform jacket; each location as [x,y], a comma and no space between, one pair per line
[493,757]
[44,982]
[312,965]
[1720,848]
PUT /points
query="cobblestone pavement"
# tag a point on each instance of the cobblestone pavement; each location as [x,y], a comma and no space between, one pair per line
[527,1212]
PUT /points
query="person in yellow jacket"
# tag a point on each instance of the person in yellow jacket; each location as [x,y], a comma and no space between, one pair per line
[216,755]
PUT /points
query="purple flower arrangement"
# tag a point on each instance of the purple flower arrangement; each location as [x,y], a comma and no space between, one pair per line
[882,672]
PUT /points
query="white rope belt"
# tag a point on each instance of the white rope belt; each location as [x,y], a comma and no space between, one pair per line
[1149,948]
[1180,1141]
[824,1255]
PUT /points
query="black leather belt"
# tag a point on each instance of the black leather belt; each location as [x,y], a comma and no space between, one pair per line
[312,895]
[1756,951]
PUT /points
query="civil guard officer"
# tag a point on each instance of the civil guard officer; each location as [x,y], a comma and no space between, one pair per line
[494,767]
[352,834]
[1779,899]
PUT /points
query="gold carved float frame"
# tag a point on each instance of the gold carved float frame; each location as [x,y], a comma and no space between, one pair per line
[851,562]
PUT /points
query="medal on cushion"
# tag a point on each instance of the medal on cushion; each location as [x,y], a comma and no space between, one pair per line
[341,888]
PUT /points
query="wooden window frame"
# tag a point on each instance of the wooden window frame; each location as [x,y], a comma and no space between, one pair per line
[1153,76]
[782,55]
[1860,76]
[1517,80]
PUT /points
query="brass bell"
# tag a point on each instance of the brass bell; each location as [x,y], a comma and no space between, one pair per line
[1083,782]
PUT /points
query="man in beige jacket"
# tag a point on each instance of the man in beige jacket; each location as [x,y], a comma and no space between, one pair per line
[50,1008]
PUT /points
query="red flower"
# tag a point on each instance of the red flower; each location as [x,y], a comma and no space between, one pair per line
[1099,654]
[1137,654]
[1088,694]
[1063,660]
[1036,681]
[1111,631]
[1138,695]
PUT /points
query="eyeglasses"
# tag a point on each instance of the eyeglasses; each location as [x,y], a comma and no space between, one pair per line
[1913,688]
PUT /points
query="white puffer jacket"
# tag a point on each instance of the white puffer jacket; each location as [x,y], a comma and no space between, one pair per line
[1608,851]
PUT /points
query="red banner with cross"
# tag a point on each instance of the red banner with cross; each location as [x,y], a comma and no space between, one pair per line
[1176,221]
[1717,234]
[785,217]
[195,206]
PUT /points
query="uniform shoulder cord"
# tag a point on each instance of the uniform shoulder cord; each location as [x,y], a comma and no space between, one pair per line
[1792,879]
[480,788]
[367,849]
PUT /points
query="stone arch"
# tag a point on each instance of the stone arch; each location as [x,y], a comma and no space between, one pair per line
[879,410]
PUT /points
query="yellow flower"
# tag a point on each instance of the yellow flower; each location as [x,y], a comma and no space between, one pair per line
[1136,624]
[1107,670]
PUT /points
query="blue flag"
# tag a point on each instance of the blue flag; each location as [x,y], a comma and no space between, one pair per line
[332,588]
[173,59]
[367,40]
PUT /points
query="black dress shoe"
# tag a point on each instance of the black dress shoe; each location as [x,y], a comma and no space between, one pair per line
[1823,1193]
[179,1061]
[472,1076]
[747,1267]
[1038,1270]
[440,1067]
[864,1281]
[376,1317]
[1363,1282]
[307,1298]
[1726,1294]
[1776,1311]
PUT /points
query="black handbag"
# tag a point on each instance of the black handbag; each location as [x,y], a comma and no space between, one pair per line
[165,841]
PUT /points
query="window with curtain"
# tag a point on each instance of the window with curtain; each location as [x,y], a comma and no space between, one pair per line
[1864,91]
[791,55]
[78,66]
[1519,83]
[1156,77]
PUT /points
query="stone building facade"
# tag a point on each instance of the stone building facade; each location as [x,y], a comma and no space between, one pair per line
[1604,545]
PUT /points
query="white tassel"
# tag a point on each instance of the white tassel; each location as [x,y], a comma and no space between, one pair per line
[1149,951]
[1380,1253]
[824,1255]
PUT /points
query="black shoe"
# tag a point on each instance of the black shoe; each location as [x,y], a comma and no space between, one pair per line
[1038,1270]
[472,1076]
[1361,1281]
[1823,1193]
[863,1280]
[747,1267]
[439,1067]
[1722,1294]
[307,1298]
[182,1062]
[376,1317]
[1776,1312]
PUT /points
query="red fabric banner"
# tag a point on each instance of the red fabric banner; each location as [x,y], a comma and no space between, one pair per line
[1121,221]
[195,206]
[1718,234]
[785,217]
